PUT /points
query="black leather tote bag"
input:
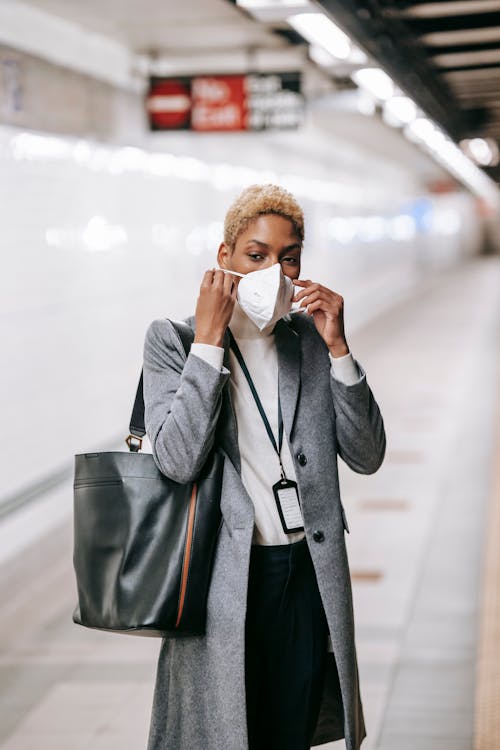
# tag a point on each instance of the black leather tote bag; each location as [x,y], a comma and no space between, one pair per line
[143,544]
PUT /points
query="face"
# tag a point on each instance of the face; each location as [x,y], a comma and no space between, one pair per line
[267,240]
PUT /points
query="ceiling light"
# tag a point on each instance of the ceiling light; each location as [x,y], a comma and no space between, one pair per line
[251,4]
[321,57]
[274,11]
[483,151]
[320,30]
[448,154]
[376,81]
[357,56]
[423,129]
[400,110]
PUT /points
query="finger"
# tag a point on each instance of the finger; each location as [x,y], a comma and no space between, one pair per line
[302,282]
[320,305]
[306,291]
[334,302]
[229,283]
[207,278]
[219,277]
[309,298]
[320,293]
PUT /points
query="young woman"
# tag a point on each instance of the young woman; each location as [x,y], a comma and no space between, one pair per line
[281,396]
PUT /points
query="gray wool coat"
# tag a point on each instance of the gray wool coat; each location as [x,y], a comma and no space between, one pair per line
[199,699]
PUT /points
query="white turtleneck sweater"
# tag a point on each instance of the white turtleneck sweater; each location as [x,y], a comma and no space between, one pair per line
[260,468]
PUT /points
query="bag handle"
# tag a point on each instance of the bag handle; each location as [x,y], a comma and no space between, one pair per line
[136,426]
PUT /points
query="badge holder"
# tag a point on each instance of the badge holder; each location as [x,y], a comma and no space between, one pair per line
[286,495]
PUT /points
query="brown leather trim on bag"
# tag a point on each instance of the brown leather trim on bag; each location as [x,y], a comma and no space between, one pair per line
[187,553]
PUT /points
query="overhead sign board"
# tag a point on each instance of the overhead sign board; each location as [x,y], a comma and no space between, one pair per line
[225,102]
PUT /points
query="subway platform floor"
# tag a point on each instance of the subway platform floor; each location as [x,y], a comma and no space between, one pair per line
[424,549]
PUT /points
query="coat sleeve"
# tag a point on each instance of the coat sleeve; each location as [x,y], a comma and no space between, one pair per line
[182,401]
[361,439]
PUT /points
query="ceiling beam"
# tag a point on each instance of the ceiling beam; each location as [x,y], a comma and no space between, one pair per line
[488,98]
[462,37]
[421,26]
[471,75]
[474,59]
[466,88]
[394,46]
[461,48]
[442,9]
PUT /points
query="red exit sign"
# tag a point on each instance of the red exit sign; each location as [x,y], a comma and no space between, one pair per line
[225,103]
[219,103]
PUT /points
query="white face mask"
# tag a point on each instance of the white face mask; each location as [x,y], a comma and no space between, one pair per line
[265,295]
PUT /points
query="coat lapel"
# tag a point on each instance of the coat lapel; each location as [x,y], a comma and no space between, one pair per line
[289,361]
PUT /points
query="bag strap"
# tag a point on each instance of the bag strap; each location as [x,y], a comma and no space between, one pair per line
[136,426]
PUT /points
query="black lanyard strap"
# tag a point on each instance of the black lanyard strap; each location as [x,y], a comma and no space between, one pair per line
[246,373]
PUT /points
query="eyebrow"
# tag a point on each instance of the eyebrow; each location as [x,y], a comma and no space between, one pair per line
[294,246]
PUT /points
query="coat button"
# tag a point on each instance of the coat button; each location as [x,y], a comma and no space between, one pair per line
[301,459]
[318,536]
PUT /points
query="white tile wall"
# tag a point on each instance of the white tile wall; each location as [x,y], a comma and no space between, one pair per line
[93,246]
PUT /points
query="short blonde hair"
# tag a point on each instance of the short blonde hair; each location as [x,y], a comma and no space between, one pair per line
[256,201]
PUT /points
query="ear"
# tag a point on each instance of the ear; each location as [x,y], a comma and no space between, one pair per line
[223,255]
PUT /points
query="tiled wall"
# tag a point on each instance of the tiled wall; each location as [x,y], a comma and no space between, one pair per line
[98,240]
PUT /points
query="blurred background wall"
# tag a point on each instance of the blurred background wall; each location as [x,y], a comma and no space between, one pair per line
[106,226]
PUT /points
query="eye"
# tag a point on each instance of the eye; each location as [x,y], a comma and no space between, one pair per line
[289,260]
[255,256]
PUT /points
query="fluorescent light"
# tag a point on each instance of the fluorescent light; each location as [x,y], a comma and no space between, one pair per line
[448,154]
[483,151]
[321,57]
[376,81]
[480,150]
[357,56]
[319,29]
[400,110]
[423,129]
[250,4]
[325,59]
[274,11]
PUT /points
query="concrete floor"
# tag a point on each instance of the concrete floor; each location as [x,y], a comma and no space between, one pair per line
[415,547]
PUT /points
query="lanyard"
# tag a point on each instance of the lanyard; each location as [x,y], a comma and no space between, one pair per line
[242,363]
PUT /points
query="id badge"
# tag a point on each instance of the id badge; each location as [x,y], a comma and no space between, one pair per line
[287,499]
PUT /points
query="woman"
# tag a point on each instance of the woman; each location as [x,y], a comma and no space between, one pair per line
[280,395]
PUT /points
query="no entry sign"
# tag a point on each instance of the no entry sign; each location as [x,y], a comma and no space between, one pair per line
[225,103]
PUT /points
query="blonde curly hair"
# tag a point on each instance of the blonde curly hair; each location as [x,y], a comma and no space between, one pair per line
[257,200]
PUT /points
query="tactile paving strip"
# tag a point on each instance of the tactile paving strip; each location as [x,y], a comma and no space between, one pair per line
[487,708]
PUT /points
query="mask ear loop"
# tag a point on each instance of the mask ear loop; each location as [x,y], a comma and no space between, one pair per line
[234,273]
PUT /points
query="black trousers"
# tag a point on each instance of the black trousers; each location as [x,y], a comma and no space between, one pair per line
[286,642]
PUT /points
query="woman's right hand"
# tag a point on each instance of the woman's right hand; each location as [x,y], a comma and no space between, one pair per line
[215,306]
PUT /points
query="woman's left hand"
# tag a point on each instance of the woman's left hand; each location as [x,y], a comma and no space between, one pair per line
[327,309]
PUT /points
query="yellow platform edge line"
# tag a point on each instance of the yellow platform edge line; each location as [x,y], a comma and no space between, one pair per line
[487,696]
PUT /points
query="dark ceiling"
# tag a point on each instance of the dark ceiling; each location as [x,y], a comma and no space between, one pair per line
[445,54]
